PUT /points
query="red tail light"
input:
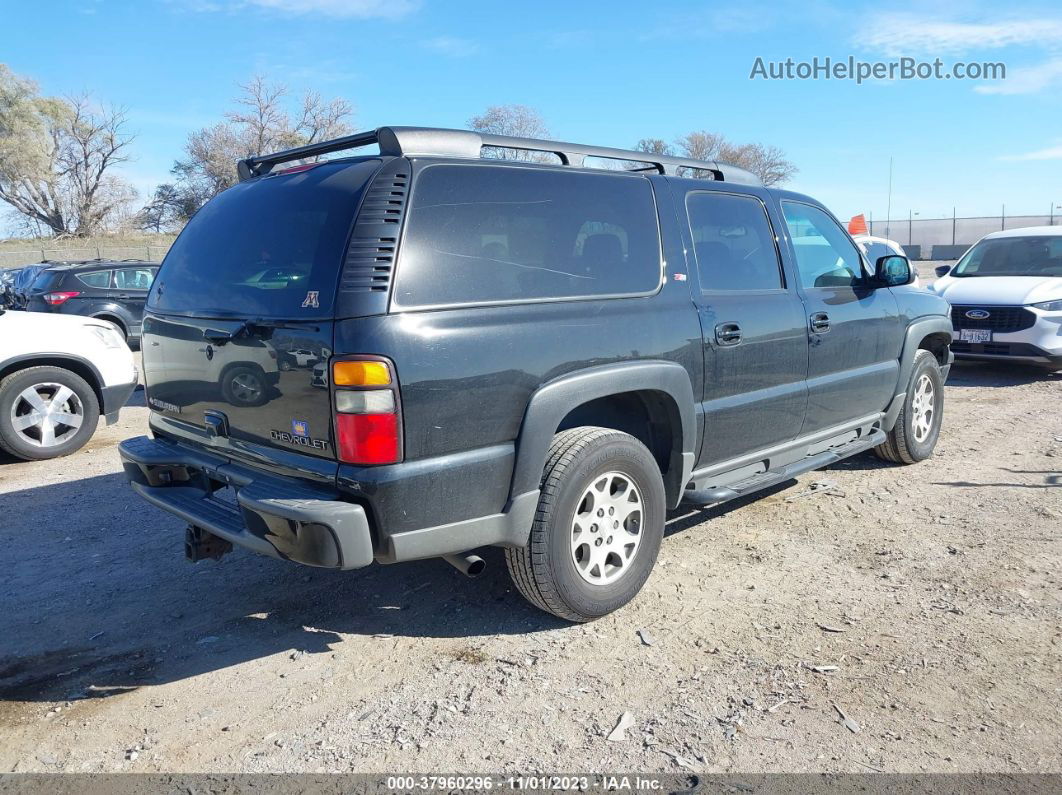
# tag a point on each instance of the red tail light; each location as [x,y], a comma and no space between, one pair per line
[367,410]
[55,299]
[368,438]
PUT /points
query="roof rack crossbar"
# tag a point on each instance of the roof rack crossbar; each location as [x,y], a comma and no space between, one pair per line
[428,141]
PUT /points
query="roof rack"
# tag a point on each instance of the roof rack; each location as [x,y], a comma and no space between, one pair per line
[437,142]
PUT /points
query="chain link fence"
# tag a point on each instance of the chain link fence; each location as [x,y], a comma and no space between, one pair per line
[948,238]
[16,259]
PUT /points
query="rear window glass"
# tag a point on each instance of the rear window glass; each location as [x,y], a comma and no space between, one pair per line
[96,278]
[478,234]
[133,278]
[43,280]
[269,247]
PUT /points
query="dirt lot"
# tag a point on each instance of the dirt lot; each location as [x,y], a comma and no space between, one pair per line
[921,602]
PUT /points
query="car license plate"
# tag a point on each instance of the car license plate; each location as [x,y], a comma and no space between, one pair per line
[975,335]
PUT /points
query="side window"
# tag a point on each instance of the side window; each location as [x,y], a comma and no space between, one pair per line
[133,278]
[733,242]
[96,278]
[478,234]
[825,256]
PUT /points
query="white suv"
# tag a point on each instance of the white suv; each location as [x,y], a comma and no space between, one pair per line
[58,375]
[1006,297]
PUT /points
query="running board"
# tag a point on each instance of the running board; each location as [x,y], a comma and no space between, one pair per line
[772,477]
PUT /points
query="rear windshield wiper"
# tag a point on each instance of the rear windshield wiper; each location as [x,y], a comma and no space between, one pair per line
[251,328]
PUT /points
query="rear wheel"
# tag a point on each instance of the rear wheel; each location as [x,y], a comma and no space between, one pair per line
[598,527]
[46,412]
[917,427]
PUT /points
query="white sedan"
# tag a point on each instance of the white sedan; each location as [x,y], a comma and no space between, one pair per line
[58,375]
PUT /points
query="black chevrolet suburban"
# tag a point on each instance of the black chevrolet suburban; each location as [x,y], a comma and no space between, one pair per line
[542,354]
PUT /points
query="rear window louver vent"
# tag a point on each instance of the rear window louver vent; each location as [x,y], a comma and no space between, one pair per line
[371,255]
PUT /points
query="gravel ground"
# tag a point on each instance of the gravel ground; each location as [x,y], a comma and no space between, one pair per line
[903,619]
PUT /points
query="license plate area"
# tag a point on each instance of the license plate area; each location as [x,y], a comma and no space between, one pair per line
[975,335]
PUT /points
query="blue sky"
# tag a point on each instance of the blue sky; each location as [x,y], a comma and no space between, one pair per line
[599,72]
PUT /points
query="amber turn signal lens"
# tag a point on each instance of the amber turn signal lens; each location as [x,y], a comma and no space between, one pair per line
[360,374]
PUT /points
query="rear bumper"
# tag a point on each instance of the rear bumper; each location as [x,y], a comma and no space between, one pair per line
[311,523]
[274,516]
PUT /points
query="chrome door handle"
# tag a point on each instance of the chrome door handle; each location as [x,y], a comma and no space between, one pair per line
[728,333]
[820,322]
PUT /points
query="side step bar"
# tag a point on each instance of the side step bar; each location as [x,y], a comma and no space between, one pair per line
[772,477]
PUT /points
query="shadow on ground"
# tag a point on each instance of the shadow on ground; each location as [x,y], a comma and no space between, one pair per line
[99,600]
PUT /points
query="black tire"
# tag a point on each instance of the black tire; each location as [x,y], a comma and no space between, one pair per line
[903,445]
[16,443]
[545,571]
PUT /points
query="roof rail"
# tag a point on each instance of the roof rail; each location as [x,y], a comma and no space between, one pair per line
[437,142]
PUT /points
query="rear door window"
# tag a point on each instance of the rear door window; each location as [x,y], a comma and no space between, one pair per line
[490,234]
[733,242]
[133,278]
[270,247]
[98,279]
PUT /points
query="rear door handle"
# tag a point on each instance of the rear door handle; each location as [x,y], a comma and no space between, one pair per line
[820,322]
[728,333]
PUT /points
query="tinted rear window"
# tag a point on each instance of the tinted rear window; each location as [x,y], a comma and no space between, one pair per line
[270,247]
[490,234]
[46,280]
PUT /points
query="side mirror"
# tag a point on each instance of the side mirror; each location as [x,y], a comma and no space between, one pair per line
[893,270]
[942,270]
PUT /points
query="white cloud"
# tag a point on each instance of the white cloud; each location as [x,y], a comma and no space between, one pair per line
[1050,153]
[452,46]
[1027,80]
[900,34]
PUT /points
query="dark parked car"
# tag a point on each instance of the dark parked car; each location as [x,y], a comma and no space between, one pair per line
[16,283]
[114,291]
[542,357]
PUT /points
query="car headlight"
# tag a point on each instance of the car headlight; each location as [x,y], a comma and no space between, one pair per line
[108,336]
[1050,306]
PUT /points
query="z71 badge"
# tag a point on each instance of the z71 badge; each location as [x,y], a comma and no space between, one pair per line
[301,441]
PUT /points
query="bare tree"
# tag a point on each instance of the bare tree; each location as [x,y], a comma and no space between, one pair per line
[769,163]
[516,120]
[766,162]
[57,158]
[94,144]
[701,145]
[261,122]
[657,146]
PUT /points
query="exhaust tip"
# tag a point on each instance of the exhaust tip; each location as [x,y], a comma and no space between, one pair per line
[469,565]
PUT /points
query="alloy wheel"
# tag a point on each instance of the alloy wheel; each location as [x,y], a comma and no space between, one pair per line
[606,528]
[47,415]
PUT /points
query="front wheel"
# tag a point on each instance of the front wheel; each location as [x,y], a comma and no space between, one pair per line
[917,427]
[598,527]
[46,412]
